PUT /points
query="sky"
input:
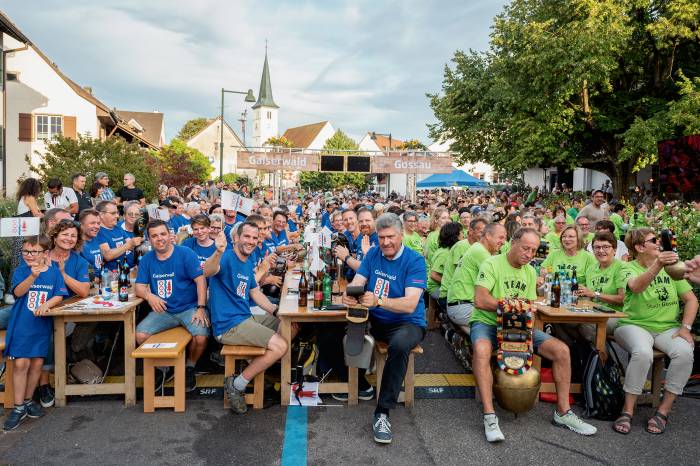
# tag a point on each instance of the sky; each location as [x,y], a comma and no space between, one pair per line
[362,65]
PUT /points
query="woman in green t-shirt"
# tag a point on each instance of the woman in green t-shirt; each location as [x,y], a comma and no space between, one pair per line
[652,304]
[411,238]
[440,217]
[450,233]
[571,257]
[604,280]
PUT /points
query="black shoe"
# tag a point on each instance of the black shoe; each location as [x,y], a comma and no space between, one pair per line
[15,418]
[46,396]
[190,379]
[33,410]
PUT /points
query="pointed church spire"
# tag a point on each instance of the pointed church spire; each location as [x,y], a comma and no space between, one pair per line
[265,94]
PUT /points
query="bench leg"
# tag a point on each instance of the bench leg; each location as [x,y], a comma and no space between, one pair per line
[431,316]
[258,390]
[149,386]
[8,396]
[180,383]
[409,382]
[656,379]
[229,368]
[380,360]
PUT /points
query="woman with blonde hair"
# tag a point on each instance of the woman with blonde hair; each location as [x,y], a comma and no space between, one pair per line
[571,257]
[440,217]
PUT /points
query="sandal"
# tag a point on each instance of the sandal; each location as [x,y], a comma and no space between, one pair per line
[624,421]
[658,421]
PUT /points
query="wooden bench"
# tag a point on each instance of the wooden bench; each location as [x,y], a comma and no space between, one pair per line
[431,316]
[156,357]
[380,353]
[233,353]
[7,395]
[657,376]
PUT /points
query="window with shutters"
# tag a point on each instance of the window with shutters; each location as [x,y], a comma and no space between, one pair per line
[47,126]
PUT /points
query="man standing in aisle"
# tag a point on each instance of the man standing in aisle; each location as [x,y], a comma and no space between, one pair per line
[84,200]
[596,210]
[129,192]
[103,179]
[394,277]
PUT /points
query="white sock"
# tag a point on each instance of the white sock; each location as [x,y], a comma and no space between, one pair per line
[240,382]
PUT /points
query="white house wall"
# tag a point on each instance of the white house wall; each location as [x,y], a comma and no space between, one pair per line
[207,142]
[324,135]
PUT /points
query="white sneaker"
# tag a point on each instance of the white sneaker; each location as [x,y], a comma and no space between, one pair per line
[570,420]
[493,432]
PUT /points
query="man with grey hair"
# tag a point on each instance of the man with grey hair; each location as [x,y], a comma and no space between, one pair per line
[394,278]
[129,192]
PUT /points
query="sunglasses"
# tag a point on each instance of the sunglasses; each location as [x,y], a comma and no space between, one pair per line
[651,240]
[66,221]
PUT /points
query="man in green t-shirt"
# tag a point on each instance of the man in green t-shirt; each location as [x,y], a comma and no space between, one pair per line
[474,234]
[460,295]
[511,276]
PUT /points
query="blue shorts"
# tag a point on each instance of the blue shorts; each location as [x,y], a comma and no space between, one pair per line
[482,331]
[5,312]
[156,322]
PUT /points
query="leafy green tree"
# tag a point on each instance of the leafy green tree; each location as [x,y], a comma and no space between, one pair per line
[412,144]
[575,83]
[230,178]
[280,141]
[181,164]
[192,127]
[329,181]
[65,156]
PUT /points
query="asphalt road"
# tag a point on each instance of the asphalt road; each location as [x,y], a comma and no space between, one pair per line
[443,432]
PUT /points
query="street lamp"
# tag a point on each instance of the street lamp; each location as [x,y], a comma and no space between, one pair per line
[249,97]
[373,136]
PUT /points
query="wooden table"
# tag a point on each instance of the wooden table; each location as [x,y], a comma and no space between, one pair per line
[68,313]
[290,312]
[559,315]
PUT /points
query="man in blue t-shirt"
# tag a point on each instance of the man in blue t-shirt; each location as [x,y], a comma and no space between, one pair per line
[394,279]
[113,243]
[89,229]
[170,279]
[362,243]
[232,286]
[278,242]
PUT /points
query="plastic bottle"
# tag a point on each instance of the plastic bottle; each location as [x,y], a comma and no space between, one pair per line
[574,288]
[556,292]
[106,284]
[548,286]
[565,290]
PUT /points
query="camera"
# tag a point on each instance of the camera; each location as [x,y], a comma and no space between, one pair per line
[278,270]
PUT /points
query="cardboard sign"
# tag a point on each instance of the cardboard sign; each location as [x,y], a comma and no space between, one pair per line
[19,226]
[244,206]
[326,237]
[412,163]
[278,161]
[229,200]
[159,213]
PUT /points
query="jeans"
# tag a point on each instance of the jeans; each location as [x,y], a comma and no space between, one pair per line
[401,339]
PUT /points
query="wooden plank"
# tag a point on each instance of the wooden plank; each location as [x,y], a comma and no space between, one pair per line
[149,386]
[178,335]
[179,404]
[239,350]
[95,389]
[129,362]
[60,376]
[333,387]
[286,372]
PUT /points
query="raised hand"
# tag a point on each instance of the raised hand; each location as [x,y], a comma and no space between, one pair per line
[220,242]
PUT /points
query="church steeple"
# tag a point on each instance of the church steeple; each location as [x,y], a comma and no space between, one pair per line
[265,94]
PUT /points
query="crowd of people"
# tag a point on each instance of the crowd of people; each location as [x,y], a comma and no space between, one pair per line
[206,266]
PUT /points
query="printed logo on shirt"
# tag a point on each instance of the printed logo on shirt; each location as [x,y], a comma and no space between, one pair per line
[381,288]
[36,299]
[98,261]
[240,289]
[165,288]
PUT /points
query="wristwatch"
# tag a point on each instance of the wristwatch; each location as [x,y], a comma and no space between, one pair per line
[597,294]
[201,306]
[689,327]
[380,302]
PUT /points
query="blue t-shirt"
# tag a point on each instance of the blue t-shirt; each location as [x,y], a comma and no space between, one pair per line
[203,253]
[91,253]
[77,268]
[357,244]
[390,278]
[130,256]
[326,220]
[172,279]
[300,212]
[29,336]
[259,254]
[227,232]
[113,238]
[229,292]
[276,240]
[292,226]
[177,221]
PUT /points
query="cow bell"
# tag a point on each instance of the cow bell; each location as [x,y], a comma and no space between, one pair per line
[516,393]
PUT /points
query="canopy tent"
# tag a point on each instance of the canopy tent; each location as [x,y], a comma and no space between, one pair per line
[447,180]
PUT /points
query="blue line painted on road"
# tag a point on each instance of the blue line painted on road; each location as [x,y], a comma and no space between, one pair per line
[295,436]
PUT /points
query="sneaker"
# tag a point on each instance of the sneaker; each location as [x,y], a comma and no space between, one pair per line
[190,379]
[571,421]
[15,418]
[381,428]
[491,428]
[364,395]
[163,376]
[236,398]
[217,359]
[46,396]
[33,410]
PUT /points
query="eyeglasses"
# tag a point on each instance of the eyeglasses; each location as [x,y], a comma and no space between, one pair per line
[67,221]
[602,248]
[560,223]
[111,212]
[215,228]
[28,252]
[651,240]
[134,215]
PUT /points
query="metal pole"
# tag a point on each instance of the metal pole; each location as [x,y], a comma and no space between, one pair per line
[221,140]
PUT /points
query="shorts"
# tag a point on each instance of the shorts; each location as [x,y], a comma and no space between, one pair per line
[5,313]
[256,330]
[156,322]
[460,313]
[482,331]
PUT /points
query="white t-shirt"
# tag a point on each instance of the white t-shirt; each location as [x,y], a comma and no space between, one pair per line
[62,201]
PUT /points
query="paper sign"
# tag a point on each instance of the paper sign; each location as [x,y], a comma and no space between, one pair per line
[326,237]
[163,214]
[244,206]
[307,396]
[229,200]
[19,226]
[159,345]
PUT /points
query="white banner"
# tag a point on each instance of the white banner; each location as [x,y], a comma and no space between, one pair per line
[229,200]
[244,206]
[19,226]
[158,213]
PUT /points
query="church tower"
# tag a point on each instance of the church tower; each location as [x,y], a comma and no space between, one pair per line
[265,122]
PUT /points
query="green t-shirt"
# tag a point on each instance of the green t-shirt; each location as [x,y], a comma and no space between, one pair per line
[505,248]
[453,259]
[440,256]
[608,280]
[414,242]
[552,239]
[504,281]
[571,212]
[581,262]
[656,308]
[431,244]
[462,286]
[618,221]
[587,239]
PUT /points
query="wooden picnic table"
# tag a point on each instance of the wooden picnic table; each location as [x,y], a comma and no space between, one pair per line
[289,313]
[583,314]
[72,311]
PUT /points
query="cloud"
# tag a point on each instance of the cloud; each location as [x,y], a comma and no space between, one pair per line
[362,65]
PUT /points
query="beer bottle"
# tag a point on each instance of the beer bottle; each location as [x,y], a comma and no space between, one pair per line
[327,289]
[556,291]
[123,283]
[318,290]
[574,288]
[303,289]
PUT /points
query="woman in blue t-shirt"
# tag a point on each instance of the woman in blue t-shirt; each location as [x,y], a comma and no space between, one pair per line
[37,286]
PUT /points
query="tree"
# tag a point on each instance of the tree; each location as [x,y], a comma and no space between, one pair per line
[181,164]
[65,156]
[192,127]
[412,144]
[328,181]
[575,83]
[280,141]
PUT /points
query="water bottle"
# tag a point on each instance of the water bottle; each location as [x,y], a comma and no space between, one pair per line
[106,284]
[565,291]
[548,286]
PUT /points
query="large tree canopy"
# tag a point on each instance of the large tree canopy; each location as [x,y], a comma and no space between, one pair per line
[590,83]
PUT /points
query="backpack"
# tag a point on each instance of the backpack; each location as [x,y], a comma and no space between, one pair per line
[603,396]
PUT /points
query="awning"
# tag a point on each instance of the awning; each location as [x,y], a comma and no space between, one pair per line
[457,178]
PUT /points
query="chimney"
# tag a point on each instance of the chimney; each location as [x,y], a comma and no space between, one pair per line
[88,89]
